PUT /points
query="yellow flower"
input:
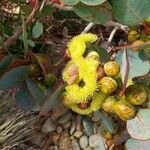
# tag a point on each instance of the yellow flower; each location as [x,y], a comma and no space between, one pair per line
[87,82]
[96,103]
[77,46]
[71,72]
[81,111]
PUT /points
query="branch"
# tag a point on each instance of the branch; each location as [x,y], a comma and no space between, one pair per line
[112,34]
[118,140]
[87,28]
[116,24]
[131,46]
[12,40]
[126,73]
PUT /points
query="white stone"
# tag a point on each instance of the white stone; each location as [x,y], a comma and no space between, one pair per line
[83,141]
[75,145]
[48,126]
[95,140]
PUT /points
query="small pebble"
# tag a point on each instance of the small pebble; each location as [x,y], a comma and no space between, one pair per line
[65,118]
[37,138]
[75,145]
[55,137]
[88,126]
[53,148]
[72,128]
[78,134]
[78,122]
[59,129]
[83,141]
[88,148]
[95,140]
[48,126]
[96,116]
[65,142]
[67,125]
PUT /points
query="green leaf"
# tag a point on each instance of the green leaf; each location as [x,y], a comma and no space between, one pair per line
[24,98]
[87,2]
[70,2]
[91,2]
[139,127]
[1,40]
[130,12]
[144,56]
[31,43]
[103,54]
[13,77]
[24,34]
[46,11]
[36,92]
[147,51]
[37,30]
[97,14]
[137,66]
[5,63]
[133,144]
[52,100]
[107,122]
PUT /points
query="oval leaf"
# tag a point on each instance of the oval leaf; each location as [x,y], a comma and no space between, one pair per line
[70,2]
[37,30]
[96,14]
[91,2]
[24,98]
[5,63]
[13,77]
[130,12]
[52,101]
[36,92]
[139,127]
[135,63]
[133,144]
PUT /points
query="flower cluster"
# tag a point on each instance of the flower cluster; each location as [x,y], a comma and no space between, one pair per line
[80,74]
[92,85]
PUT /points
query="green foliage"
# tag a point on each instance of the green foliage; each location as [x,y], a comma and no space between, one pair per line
[91,2]
[14,77]
[130,12]
[138,127]
[97,14]
[37,30]
[5,63]
[52,101]
[137,67]
[87,2]
[36,92]
[43,36]
[71,2]
[24,98]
